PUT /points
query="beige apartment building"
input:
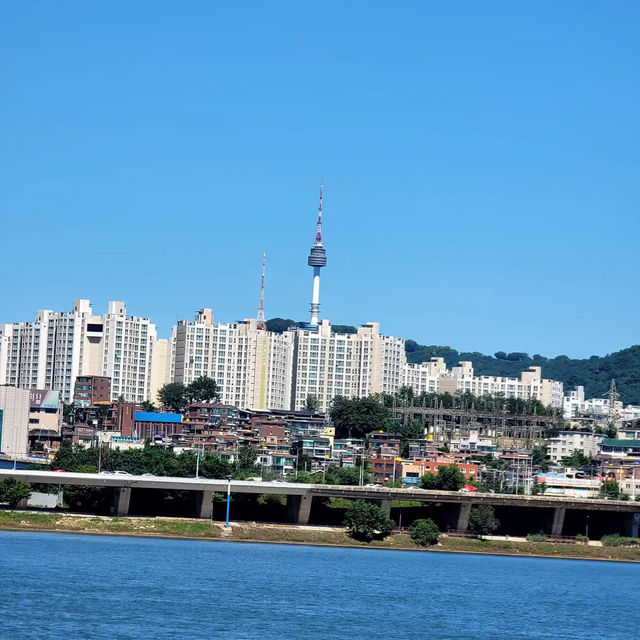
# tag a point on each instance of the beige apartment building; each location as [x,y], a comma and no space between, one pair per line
[252,366]
[328,364]
[434,377]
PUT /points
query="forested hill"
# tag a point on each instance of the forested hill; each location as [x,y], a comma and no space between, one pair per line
[594,373]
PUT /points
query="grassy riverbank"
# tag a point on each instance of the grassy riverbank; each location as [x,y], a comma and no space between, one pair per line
[187,528]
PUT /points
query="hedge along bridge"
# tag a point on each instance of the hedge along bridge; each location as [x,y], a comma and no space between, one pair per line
[611,515]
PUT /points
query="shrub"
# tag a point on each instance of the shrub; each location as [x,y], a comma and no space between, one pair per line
[617,540]
[536,537]
[425,532]
[366,521]
[582,538]
[12,491]
[482,519]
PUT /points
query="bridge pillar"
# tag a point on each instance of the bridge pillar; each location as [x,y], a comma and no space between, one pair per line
[122,499]
[463,516]
[558,520]
[299,508]
[633,525]
[385,505]
[205,506]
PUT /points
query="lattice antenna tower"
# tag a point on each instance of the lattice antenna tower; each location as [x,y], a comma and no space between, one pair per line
[614,397]
[262,323]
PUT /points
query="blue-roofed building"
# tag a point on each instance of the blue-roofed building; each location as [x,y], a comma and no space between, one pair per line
[148,424]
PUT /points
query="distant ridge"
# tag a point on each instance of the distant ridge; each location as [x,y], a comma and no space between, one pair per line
[594,373]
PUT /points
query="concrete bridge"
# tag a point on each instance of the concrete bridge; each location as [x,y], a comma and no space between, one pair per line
[300,497]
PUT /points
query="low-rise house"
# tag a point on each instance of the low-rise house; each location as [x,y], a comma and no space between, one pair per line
[617,448]
[474,443]
[148,424]
[410,471]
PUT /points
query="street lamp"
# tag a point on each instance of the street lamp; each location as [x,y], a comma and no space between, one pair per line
[226,526]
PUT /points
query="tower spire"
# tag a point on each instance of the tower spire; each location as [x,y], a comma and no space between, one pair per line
[262,324]
[317,259]
[319,226]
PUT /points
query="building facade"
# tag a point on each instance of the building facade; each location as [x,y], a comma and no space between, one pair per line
[568,442]
[59,346]
[91,390]
[14,421]
[328,364]
[252,366]
[530,384]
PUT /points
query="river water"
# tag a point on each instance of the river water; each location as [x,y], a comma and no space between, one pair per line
[59,586]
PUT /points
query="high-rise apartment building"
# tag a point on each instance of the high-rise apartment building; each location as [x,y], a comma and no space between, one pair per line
[126,351]
[252,366]
[328,364]
[423,377]
[45,354]
[59,346]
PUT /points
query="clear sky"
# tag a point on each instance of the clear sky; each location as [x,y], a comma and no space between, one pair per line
[480,162]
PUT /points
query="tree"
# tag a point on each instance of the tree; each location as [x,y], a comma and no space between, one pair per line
[576,460]
[366,521]
[538,488]
[280,325]
[482,519]
[148,406]
[539,457]
[448,478]
[300,476]
[13,491]
[425,532]
[311,404]
[356,417]
[203,389]
[610,489]
[345,475]
[173,396]
[245,464]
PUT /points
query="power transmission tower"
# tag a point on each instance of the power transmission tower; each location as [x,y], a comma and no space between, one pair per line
[612,415]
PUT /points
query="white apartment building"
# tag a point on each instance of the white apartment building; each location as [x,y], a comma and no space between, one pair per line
[530,385]
[127,344]
[50,352]
[45,354]
[423,377]
[567,442]
[328,364]
[575,403]
[251,366]
[14,420]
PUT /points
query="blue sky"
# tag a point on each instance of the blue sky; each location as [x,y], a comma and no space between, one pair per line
[480,162]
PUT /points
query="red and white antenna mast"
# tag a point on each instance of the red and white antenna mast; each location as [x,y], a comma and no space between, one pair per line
[262,323]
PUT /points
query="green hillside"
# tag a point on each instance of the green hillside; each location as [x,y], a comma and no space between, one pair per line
[594,373]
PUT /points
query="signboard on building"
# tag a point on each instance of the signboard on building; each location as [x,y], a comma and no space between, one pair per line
[44,399]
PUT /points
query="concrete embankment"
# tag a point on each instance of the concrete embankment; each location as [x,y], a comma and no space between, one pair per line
[291,534]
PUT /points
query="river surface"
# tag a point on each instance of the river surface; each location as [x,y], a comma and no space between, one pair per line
[59,586]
